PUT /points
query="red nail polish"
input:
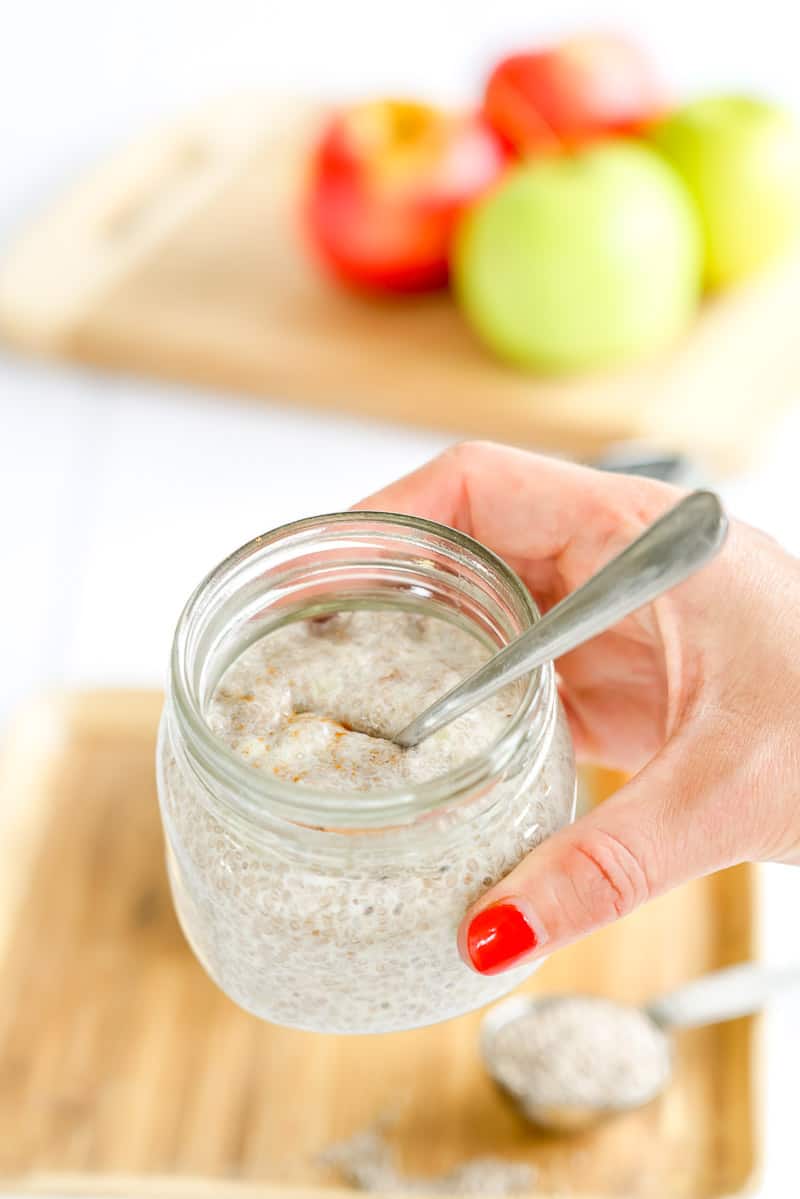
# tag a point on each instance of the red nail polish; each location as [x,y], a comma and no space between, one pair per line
[497,937]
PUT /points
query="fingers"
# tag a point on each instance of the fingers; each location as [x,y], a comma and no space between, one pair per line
[523,505]
[555,524]
[650,837]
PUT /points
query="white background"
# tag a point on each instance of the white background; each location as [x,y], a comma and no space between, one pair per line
[116,495]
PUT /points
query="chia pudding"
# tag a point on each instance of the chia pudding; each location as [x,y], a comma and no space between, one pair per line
[317,702]
[320,872]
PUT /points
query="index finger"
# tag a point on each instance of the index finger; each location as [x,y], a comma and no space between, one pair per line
[527,507]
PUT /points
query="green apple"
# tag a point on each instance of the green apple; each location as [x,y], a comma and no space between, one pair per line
[740,158]
[580,261]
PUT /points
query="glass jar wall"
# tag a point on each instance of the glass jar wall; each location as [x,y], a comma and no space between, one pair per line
[338,911]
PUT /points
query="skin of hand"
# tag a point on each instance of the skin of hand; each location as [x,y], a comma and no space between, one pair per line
[696,697]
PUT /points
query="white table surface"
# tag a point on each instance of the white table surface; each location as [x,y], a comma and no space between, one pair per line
[116,495]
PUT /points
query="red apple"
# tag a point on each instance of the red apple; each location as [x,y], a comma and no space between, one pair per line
[388,182]
[588,87]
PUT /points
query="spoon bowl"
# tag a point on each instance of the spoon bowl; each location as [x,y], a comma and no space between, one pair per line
[721,995]
[565,1116]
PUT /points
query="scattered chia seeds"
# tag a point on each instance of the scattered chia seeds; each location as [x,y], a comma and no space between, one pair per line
[366,1162]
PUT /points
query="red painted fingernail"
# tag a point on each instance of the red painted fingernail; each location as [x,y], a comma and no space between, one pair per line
[497,937]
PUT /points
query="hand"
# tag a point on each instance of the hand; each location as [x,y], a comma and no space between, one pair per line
[696,696]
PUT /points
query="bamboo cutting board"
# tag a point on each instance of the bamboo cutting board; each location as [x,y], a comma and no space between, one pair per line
[121,1063]
[183,258]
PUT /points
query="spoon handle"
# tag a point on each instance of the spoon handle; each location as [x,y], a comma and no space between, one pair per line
[670,550]
[723,995]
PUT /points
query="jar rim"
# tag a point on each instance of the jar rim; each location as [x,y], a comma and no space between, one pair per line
[260,798]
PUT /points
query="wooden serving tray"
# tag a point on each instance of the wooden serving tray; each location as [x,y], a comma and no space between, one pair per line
[122,1064]
[183,258]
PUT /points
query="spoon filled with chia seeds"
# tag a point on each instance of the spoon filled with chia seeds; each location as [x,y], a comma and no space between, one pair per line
[666,553]
[570,1061]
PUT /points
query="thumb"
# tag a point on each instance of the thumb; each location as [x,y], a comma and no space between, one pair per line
[652,835]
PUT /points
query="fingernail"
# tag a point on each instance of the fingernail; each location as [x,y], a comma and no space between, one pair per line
[498,937]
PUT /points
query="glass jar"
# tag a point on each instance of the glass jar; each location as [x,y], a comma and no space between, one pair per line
[338,912]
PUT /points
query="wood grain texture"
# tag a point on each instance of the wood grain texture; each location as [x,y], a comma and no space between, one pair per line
[183,258]
[123,1070]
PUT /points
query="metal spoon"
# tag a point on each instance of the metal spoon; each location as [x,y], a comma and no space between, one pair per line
[670,550]
[711,999]
[635,458]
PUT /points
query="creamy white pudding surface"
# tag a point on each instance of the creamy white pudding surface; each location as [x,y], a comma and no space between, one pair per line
[315,702]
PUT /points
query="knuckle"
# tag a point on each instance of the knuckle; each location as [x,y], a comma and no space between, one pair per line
[651,498]
[626,504]
[465,452]
[609,878]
